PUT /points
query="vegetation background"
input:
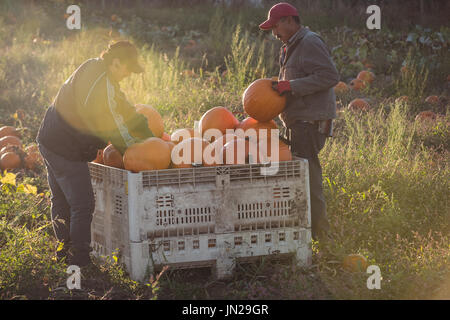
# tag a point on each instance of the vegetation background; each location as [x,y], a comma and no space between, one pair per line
[386,176]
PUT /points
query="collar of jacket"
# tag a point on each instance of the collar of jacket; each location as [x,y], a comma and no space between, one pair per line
[108,74]
[296,36]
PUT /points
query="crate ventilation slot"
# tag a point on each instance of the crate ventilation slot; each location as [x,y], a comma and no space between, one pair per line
[281,192]
[263,210]
[118,205]
[165,217]
[165,201]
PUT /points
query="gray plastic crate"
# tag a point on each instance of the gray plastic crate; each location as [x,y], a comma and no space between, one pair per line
[205,216]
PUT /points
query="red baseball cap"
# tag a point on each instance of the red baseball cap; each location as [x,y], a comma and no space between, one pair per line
[277,12]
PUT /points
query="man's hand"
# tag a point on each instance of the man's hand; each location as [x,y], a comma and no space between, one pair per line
[281,87]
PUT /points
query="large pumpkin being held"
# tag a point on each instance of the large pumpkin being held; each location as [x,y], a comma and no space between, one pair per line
[261,102]
[154,119]
[152,154]
[112,157]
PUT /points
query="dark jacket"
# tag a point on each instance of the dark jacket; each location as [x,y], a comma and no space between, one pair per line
[312,76]
[88,111]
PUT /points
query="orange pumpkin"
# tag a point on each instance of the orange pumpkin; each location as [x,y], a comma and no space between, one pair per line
[284,153]
[402,99]
[404,70]
[10,161]
[367,64]
[112,157]
[99,158]
[215,148]
[171,145]
[217,118]
[432,100]
[341,88]
[151,154]
[261,102]
[426,116]
[358,105]
[154,119]
[33,157]
[13,140]
[196,147]
[32,148]
[221,141]
[9,131]
[10,148]
[240,151]
[250,123]
[366,76]
[32,160]
[355,263]
[165,137]
[357,84]
[181,134]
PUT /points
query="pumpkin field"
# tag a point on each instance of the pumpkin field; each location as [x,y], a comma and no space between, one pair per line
[386,170]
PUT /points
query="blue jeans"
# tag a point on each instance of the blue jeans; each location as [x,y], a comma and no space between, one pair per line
[306,142]
[73,204]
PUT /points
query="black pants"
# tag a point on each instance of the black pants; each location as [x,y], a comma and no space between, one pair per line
[306,142]
[73,204]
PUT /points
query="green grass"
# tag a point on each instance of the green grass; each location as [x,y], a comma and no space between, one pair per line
[386,177]
[376,174]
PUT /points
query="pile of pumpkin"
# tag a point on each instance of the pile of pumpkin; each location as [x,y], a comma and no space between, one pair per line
[226,145]
[363,78]
[13,155]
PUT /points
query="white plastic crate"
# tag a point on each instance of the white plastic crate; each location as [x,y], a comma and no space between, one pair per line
[204,216]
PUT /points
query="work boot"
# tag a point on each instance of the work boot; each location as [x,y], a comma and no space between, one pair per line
[80,258]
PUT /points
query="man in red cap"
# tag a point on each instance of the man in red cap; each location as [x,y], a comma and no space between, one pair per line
[88,111]
[307,77]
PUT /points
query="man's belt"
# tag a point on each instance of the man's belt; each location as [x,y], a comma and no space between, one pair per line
[324,127]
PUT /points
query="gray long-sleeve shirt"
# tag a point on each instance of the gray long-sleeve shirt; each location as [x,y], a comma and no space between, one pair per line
[312,76]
